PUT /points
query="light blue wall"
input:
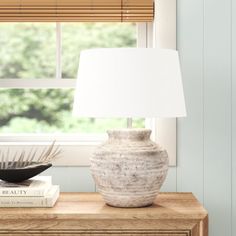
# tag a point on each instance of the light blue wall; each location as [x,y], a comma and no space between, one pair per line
[206,142]
[72,179]
[206,138]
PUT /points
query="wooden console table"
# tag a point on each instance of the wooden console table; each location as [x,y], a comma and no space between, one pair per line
[173,214]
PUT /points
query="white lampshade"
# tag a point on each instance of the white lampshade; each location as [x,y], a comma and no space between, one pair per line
[129,82]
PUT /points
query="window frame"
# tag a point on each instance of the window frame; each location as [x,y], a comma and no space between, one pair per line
[78,148]
[58,82]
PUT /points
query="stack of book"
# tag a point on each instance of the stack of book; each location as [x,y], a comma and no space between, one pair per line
[35,192]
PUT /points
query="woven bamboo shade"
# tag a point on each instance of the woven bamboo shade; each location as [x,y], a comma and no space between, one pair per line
[76,10]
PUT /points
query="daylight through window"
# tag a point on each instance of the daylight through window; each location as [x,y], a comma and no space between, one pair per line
[48,51]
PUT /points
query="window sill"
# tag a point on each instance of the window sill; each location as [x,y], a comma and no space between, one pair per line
[77,149]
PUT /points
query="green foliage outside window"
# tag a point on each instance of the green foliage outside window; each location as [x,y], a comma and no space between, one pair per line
[28,51]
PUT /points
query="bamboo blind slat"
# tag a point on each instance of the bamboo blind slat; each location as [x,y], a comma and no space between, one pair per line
[76,10]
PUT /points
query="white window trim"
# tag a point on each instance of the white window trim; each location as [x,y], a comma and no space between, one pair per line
[164,34]
[78,148]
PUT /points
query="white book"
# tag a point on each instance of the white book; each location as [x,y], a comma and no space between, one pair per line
[37,186]
[47,201]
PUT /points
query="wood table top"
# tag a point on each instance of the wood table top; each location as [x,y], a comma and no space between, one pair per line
[91,206]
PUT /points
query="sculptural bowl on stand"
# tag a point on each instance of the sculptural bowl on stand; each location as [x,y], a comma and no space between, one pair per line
[129,169]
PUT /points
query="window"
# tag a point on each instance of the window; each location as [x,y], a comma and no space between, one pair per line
[52,74]
[40,62]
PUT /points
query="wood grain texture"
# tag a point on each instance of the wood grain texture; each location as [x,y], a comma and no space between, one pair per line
[87,214]
[107,233]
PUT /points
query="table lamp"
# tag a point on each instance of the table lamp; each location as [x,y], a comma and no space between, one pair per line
[129,169]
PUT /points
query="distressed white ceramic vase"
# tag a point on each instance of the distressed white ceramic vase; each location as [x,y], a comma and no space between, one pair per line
[129,169]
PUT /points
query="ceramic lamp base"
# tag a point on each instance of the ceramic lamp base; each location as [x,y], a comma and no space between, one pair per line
[129,169]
